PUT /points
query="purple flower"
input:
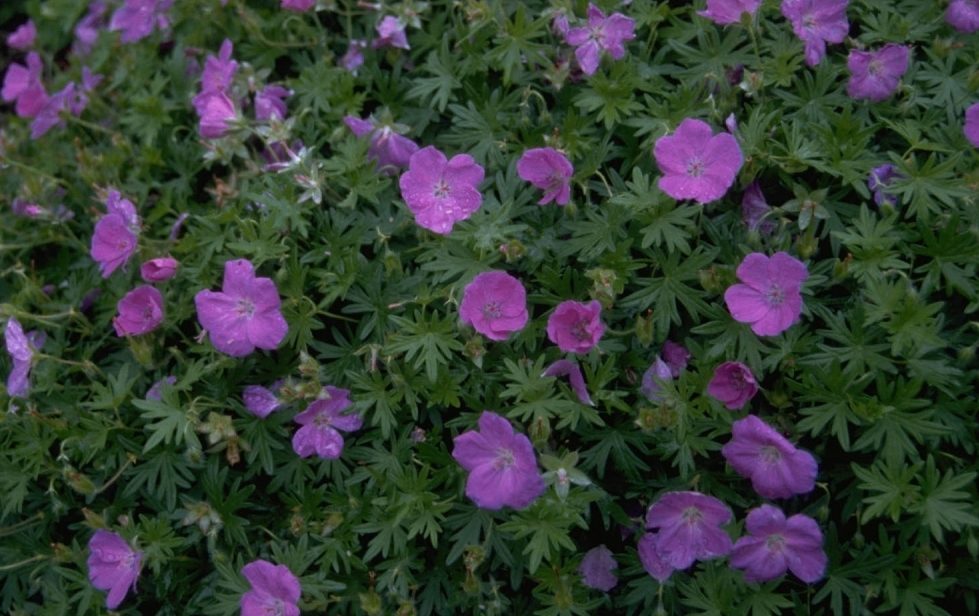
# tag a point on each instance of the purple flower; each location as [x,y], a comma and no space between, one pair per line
[880,180]
[769,298]
[658,370]
[495,303]
[602,33]
[875,75]
[87,30]
[549,170]
[391,33]
[676,357]
[320,422]
[733,384]
[354,57]
[275,590]
[391,150]
[270,102]
[26,210]
[219,70]
[776,545]
[776,468]
[112,566]
[575,327]
[69,99]
[114,240]
[140,312]
[23,84]
[596,569]
[971,128]
[689,526]
[298,5]
[23,37]
[159,269]
[260,401]
[724,12]
[649,555]
[155,392]
[697,164]
[564,367]
[245,314]
[502,466]
[138,18]
[215,110]
[817,22]
[754,208]
[963,15]
[439,192]
[22,348]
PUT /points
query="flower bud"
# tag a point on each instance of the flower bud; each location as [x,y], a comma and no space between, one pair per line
[540,431]
[645,330]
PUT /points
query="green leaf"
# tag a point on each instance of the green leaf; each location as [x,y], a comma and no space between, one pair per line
[425,342]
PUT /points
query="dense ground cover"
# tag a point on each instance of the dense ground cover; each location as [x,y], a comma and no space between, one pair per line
[489,307]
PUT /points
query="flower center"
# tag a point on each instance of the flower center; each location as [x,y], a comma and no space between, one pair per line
[695,168]
[148,313]
[245,308]
[770,455]
[692,516]
[775,543]
[491,310]
[808,21]
[580,330]
[775,295]
[274,607]
[441,189]
[321,420]
[504,459]
[876,68]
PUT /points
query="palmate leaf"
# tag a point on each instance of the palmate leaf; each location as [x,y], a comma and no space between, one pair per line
[669,284]
[425,342]
[548,524]
[945,505]
[438,88]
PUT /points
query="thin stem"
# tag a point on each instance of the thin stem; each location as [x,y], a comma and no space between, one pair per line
[13,528]
[35,171]
[23,562]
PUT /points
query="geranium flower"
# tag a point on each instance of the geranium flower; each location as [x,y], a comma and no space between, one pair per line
[22,348]
[963,15]
[216,111]
[676,357]
[596,569]
[769,298]
[391,33]
[564,367]
[391,150]
[754,208]
[245,314]
[971,128]
[159,269]
[775,545]
[733,384]
[575,327]
[689,526]
[875,74]
[354,56]
[261,401]
[776,468]
[23,37]
[817,22]
[502,466]
[140,312]
[275,590]
[155,392]
[87,30]
[23,85]
[114,239]
[495,303]
[697,164]
[112,566]
[219,70]
[70,99]
[440,192]
[649,555]
[298,5]
[320,424]
[270,102]
[658,370]
[549,170]
[602,33]
[724,12]
[880,180]
[138,18]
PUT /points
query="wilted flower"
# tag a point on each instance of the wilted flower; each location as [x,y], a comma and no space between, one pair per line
[754,208]
[549,170]
[658,370]
[676,357]
[138,18]
[971,128]
[963,15]
[87,30]
[215,110]
[112,566]
[602,33]
[596,569]
[440,192]
[495,303]
[879,180]
[354,57]
[575,327]
[391,33]
[21,348]
[140,312]
[769,298]
[270,103]
[725,12]
[159,269]
[298,5]
[155,392]
[775,545]
[23,85]
[70,99]
[776,468]
[391,150]
[697,164]
[261,401]
[502,465]
[245,314]
[564,367]
[275,590]
[817,22]
[689,526]
[114,240]
[320,424]
[23,37]
[733,384]
[875,74]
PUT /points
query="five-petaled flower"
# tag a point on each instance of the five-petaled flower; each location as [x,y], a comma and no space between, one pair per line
[689,526]
[575,327]
[963,15]
[22,349]
[817,22]
[245,314]
[495,303]
[875,74]
[697,164]
[608,33]
[275,590]
[501,464]
[549,170]
[441,192]
[776,468]
[596,569]
[775,545]
[769,297]
[733,384]
[320,424]
[724,12]
[112,566]
[114,240]
[140,311]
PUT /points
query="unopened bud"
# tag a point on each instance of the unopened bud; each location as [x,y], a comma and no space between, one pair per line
[645,330]
[540,431]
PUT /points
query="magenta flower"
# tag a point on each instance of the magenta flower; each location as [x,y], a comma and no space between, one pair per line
[689,526]
[754,208]
[219,70]
[659,370]
[963,15]
[724,12]
[875,75]
[275,590]
[596,569]
[697,164]
[138,18]
[602,33]
[776,468]
[320,424]
[676,357]
[159,269]
[270,102]
[880,180]
[112,566]
[971,128]
[817,22]
[140,312]
[575,327]
[245,314]
[769,298]
[114,240]
[261,401]
[87,30]
[70,99]
[391,150]
[354,57]
[549,170]
[502,466]
[564,367]
[495,303]
[22,349]
[23,85]
[649,555]
[23,37]
[776,545]
[298,5]
[439,192]
[733,384]
[216,111]
[391,33]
